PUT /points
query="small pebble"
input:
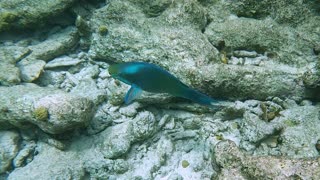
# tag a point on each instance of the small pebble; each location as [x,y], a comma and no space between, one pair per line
[185,163]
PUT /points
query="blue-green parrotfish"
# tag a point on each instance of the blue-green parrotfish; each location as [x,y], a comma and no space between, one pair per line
[152,78]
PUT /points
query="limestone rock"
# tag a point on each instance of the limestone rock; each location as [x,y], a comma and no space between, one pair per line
[31,69]
[123,135]
[198,54]
[263,52]
[235,163]
[9,147]
[263,36]
[55,45]
[53,111]
[9,56]
[62,62]
[117,140]
[60,166]
[9,74]
[29,14]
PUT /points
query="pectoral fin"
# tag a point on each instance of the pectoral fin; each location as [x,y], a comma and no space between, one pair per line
[133,93]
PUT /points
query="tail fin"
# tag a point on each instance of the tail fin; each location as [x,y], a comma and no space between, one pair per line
[198,97]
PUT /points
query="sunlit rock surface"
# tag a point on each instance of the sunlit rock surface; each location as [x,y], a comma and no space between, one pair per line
[62,115]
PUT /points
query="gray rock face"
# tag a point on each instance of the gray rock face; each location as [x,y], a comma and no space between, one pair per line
[9,74]
[55,45]
[186,139]
[27,63]
[283,133]
[241,82]
[9,56]
[69,167]
[284,12]
[69,120]
[22,14]
[62,62]
[264,36]
[25,155]
[9,147]
[231,159]
[31,69]
[202,66]
[52,110]
[171,36]
[118,139]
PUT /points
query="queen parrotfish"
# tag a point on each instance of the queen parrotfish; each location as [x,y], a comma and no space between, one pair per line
[152,78]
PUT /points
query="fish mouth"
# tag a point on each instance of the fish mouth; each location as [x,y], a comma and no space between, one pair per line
[112,70]
[116,76]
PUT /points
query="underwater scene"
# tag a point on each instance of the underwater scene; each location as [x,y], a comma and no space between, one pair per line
[159,90]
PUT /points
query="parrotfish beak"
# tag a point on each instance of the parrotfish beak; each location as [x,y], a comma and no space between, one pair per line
[113,70]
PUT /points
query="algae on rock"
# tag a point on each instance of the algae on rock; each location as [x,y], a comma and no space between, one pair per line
[236,164]
[33,14]
[65,111]
[191,51]
[266,51]
[9,56]
[9,147]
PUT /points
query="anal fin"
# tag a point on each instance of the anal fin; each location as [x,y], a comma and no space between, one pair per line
[133,93]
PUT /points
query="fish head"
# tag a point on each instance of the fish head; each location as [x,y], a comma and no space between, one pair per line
[114,70]
[125,72]
[124,69]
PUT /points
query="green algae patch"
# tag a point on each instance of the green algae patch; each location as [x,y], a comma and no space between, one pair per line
[291,123]
[103,30]
[41,113]
[6,18]
[219,137]
[185,163]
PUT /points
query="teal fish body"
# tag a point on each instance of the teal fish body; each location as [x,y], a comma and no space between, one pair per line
[152,78]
